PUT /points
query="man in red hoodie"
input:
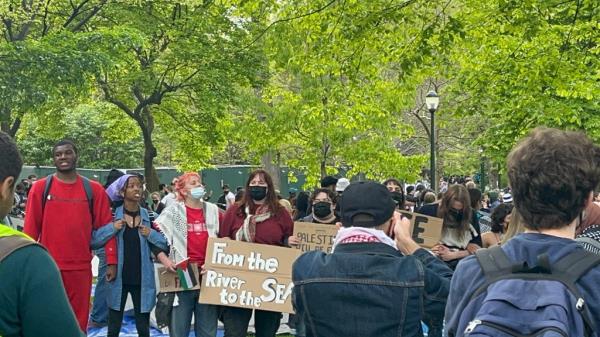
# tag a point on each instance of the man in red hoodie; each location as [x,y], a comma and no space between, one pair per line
[60,217]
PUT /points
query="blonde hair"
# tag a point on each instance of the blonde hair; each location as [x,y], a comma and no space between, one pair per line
[514,227]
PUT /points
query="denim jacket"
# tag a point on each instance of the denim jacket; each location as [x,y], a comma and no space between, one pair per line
[368,289]
[148,293]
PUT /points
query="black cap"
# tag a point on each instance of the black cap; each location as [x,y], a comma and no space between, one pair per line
[328,181]
[366,204]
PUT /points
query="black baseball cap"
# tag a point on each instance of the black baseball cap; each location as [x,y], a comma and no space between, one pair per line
[366,204]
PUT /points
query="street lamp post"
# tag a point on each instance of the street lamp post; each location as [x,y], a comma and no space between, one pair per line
[482,181]
[432,100]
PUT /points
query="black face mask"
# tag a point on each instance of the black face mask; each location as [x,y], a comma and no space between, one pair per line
[155,201]
[258,192]
[322,209]
[398,197]
[456,218]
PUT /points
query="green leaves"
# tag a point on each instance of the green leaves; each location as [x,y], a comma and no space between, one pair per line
[318,84]
[531,63]
[342,73]
[104,139]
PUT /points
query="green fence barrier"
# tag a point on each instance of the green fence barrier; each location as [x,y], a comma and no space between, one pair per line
[213,178]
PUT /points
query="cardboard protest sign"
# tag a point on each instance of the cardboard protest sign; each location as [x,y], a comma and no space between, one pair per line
[171,282]
[426,230]
[248,275]
[315,236]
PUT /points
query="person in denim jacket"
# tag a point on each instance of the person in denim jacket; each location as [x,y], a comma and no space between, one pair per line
[371,285]
[133,262]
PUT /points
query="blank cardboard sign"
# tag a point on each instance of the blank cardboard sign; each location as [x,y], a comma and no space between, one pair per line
[426,230]
[248,275]
[315,236]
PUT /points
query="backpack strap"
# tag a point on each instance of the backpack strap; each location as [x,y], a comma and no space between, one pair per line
[576,264]
[495,266]
[86,186]
[46,191]
[493,262]
[89,194]
[9,244]
[569,270]
[587,241]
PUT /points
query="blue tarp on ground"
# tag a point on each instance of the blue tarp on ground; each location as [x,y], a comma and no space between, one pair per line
[128,330]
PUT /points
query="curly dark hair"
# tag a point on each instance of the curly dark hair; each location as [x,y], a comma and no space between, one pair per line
[498,215]
[11,163]
[552,174]
[330,194]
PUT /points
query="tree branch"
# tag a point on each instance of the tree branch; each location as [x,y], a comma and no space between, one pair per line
[15,127]
[300,133]
[8,25]
[261,34]
[186,125]
[27,7]
[109,98]
[85,20]
[425,126]
[75,12]
[45,26]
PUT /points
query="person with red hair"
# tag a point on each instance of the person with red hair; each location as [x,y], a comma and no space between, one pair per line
[257,218]
[187,224]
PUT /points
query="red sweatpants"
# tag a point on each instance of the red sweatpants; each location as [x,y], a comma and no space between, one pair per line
[78,286]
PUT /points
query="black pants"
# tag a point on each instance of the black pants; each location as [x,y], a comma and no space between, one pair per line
[142,320]
[236,320]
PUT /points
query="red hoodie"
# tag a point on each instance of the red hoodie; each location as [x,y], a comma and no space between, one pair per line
[66,227]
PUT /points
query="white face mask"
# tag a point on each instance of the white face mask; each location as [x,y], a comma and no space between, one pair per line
[197,192]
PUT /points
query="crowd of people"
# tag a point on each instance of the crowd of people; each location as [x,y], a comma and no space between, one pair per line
[521,261]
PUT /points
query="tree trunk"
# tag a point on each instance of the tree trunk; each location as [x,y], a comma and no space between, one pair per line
[150,174]
[5,119]
[150,152]
[323,168]
[325,147]
[272,168]
[494,176]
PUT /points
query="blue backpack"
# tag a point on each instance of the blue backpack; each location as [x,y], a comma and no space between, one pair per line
[520,301]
